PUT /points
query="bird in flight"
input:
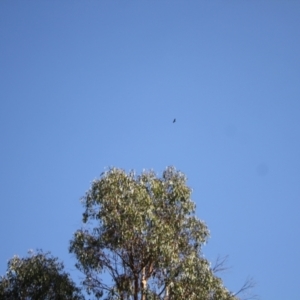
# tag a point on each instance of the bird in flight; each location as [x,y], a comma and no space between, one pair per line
[174,120]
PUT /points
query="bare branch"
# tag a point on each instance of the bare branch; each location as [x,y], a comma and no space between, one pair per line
[246,288]
[220,263]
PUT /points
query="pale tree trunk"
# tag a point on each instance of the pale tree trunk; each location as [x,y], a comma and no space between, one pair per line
[143,284]
[167,294]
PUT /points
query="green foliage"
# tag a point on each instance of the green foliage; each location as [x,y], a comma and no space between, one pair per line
[39,276]
[143,232]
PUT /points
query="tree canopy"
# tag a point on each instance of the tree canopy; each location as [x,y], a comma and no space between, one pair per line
[38,276]
[142,231]
[140,240]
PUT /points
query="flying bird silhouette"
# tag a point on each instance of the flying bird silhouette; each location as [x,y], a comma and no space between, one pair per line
[174,120]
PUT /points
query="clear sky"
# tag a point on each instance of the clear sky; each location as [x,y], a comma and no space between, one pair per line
[85,85]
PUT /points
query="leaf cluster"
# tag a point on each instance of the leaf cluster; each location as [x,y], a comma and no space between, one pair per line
[38,276]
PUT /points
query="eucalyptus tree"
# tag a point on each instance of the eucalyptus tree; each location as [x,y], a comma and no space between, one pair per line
[141,231]
[38,276]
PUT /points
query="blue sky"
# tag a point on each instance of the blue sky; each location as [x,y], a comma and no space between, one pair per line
[86,85]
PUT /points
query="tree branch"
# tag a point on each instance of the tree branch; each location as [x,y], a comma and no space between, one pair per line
[219,265]
[245,289]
